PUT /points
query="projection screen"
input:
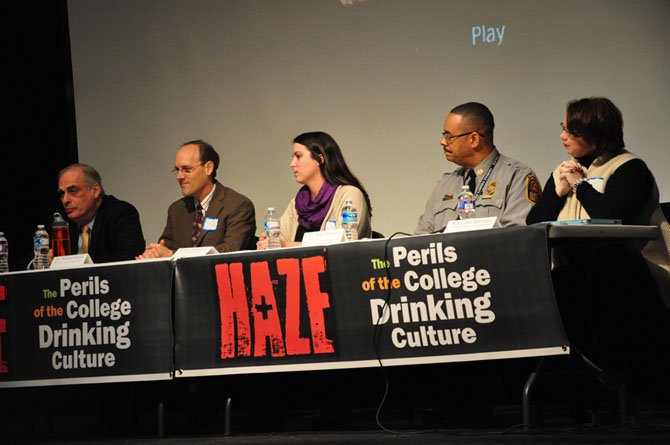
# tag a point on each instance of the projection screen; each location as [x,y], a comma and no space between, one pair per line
[378,75]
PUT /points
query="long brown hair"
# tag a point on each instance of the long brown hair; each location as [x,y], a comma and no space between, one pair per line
[327,153]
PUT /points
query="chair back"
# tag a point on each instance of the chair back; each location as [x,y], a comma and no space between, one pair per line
[665,207]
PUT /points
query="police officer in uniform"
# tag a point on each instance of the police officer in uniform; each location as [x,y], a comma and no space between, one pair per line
[503,187]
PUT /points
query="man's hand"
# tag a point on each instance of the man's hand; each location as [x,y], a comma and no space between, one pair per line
[262,242]
[155,250]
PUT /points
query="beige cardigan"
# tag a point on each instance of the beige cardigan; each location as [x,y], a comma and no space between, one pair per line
[289,219]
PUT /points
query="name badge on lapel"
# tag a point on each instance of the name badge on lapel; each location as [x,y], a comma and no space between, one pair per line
[210,224]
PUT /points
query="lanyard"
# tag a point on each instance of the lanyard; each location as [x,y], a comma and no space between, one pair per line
[486,176]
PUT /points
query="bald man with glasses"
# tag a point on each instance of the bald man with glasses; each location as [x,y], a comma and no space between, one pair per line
[503,187]
[209,214]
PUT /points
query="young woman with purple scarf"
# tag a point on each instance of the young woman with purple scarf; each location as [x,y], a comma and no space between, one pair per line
[318,164]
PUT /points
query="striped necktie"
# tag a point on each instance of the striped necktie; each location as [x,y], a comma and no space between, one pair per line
[197,225]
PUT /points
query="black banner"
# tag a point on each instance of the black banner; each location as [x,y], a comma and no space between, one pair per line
[436,298]
[448,297]
[86,325]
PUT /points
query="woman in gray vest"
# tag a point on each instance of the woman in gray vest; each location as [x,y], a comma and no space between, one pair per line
[611,295]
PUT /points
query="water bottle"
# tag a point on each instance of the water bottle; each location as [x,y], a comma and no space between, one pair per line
[350,221]
[60,236]
[466,203]
[272,229]
[41,247]
[4,253]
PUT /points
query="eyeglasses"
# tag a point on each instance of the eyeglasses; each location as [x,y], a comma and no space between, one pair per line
[450,137]
[568,132]
[187,170]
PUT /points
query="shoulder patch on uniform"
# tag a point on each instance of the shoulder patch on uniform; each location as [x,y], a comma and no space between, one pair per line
[533,188]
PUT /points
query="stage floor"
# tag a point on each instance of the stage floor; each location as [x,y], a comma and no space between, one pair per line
[468,404]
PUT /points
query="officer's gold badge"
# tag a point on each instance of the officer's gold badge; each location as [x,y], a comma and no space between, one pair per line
[491,189]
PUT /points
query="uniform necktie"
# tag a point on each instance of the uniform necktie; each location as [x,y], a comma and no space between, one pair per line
[84,239]
[471,180]
[197,225]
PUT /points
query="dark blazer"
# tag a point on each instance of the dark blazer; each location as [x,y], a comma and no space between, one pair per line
[116,235]
[235,228]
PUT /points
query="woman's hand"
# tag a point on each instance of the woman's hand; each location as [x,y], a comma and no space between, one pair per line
[569,172]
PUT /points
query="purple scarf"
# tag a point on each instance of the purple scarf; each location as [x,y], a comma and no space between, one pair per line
[311,213]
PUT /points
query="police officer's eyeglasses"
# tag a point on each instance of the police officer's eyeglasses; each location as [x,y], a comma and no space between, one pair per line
[450,137]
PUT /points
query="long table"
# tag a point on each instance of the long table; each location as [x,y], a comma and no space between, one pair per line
[583,237]
[422,299]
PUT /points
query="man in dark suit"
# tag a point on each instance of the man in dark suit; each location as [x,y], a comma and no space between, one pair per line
[209,214]
[106,228]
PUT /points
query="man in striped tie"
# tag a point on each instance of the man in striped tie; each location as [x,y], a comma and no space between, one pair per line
[209,214]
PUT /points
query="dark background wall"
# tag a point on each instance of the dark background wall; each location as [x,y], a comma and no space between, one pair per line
[39,131]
